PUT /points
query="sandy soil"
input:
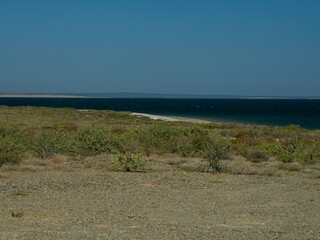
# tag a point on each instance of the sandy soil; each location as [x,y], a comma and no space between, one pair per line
[93,203]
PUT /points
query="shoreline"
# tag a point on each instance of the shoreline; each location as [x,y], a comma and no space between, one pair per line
[170,119]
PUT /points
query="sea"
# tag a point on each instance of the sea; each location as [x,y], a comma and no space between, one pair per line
[275,112]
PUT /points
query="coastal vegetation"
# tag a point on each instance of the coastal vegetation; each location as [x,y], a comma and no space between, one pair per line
[45,132]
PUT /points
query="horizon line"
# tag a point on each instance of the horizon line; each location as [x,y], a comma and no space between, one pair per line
[149,95]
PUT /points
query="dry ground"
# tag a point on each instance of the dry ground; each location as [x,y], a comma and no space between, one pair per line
[80,199]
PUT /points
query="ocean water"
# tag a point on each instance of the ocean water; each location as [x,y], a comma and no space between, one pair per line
[281,112]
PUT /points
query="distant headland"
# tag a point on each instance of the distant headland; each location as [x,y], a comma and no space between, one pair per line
[144,95]
[39,96]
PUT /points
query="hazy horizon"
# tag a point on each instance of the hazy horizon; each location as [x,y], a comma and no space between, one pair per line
[235,48]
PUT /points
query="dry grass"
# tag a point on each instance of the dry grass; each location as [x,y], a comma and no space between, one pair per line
[290,166]
[176,162]
[240,167]
[157,163]
[32,164]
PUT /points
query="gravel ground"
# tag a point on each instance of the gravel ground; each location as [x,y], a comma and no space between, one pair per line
[98,204]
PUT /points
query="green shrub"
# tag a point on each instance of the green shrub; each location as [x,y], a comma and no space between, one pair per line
[213,152]
[305,151]
[159,135]
[97,140]
[187,141]
[12,145]
[49,142]
[157,139]
[198,136]
[143,138]
[308,153]
[285,157]
[130,162]
[271,149]
[192,131]
[184,146]
[239,148]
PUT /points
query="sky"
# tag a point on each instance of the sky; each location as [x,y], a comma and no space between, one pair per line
[226,47]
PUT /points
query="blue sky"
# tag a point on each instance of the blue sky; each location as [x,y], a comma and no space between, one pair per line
[191,47]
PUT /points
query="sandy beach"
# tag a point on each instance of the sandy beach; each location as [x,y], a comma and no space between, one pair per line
[172,119]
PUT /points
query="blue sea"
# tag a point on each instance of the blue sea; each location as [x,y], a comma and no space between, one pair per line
[276,112]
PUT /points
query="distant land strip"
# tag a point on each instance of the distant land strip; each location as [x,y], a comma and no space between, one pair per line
[145,95]
[40,96]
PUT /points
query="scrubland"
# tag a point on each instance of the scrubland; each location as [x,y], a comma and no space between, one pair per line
[85,174]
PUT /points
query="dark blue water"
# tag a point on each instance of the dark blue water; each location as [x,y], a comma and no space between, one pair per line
[305,113]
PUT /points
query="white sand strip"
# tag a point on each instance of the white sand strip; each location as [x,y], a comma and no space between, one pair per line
[174,119]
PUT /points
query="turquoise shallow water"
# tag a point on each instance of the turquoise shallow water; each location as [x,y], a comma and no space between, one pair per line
[305,113]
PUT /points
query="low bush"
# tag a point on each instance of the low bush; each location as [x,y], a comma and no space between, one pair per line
[239,148]
[197,136]
[158,136]
[257,156]
[305,151]
[213,152]
[97,140]
[162,138]
[13,145]
[49,142]
[271,149]
[188,141]
[127,161]
[49,131]
[285,157]
[184,146]
[290,166]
